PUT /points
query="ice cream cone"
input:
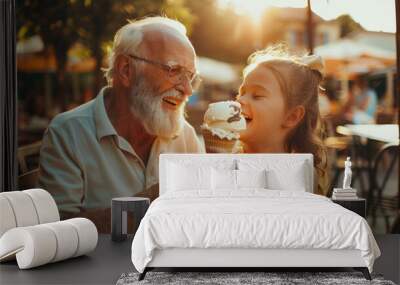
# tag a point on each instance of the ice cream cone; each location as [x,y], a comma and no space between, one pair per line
[214,144]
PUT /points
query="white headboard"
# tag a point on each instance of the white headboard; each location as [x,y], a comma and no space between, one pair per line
[225,158]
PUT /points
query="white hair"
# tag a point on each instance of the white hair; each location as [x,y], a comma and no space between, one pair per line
[128,39]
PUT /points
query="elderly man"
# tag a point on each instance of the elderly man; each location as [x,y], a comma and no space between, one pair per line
[109,147]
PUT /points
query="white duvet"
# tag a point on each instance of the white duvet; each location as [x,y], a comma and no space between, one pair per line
[251,218]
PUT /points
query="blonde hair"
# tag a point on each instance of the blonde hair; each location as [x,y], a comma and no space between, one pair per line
[129,37]
[299,78]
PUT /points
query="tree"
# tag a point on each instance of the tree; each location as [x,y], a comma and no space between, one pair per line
[348,25]
[102,18]
[56,23]
[63,23]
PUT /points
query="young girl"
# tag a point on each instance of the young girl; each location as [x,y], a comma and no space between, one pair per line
[279,100]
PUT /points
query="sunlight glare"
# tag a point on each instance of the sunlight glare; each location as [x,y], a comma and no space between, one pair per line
[253,9]
[383,11]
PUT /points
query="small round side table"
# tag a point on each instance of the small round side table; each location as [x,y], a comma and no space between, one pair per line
[119,209]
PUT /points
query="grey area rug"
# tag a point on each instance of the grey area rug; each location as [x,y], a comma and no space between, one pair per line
[231,278]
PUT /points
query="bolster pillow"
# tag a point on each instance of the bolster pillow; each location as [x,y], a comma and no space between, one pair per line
[45,243]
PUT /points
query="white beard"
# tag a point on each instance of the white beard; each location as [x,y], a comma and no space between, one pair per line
[147,105]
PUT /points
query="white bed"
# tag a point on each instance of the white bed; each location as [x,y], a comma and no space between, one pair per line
[198,226]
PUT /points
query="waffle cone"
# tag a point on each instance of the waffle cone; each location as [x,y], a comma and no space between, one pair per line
[214,144]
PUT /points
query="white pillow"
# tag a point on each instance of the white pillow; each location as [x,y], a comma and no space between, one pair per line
[227,179]
[294,180]
[280,174]
[251,178]
[182,177]
[223,179]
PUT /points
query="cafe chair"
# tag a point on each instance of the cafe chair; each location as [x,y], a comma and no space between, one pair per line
[28,163]
[383,168]
[28,179]
[28,157]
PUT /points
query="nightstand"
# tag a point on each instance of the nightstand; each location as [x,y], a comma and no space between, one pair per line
[358,205]
[119,208]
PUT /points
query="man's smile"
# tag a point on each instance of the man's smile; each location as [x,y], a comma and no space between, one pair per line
[172,102]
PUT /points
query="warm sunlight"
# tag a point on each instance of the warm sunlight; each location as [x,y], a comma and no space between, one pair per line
[147,139]
[327,9]
[255,8]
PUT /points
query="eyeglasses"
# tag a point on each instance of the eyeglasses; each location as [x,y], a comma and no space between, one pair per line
[176,73]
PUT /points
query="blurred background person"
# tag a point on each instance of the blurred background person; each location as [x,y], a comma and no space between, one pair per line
[362,103]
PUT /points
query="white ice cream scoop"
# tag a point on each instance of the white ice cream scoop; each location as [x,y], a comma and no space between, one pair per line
[224,119]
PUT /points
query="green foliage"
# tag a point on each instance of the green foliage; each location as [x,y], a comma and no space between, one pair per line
[54,21]
[87,21]
[215,32]
[348,25]
[93,23]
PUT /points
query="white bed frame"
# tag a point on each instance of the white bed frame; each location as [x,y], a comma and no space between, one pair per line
[250,257]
